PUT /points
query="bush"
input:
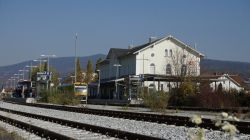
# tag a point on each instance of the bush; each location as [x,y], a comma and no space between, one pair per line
[156,100]
[56,97]
[243,99]
[218,99]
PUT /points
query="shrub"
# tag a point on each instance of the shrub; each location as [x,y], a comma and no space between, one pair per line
[156,100]
[56,97]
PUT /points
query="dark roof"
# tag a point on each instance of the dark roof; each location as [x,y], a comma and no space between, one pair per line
[105,61]
[117,51]
[137,48]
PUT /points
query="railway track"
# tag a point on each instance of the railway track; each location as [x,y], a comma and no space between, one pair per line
[243,127]
[46,129]
[230,109]
[65,129]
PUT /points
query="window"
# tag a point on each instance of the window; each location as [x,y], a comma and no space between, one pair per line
[152,68]
[183,60]
[168,69]
[183,70]
[166,52]
[152,54]
[171,52]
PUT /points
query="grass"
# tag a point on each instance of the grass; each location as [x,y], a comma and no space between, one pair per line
[56,97]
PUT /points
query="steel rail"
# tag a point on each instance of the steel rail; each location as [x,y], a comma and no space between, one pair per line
[243,127]
[98,129]
[44,133]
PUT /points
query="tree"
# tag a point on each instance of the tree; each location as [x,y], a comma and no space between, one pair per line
[182,62]
[55,76]
[89,72]
[34,73]
[44,66]
[79,75]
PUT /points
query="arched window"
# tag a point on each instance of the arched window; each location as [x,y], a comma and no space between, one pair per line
[183,70]
[166,52]
[152,68]
[170,52]
[168,69]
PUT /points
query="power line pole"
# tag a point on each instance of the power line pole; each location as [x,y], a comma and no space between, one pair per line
[75,57]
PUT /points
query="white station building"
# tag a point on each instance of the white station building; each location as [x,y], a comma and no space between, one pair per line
[123,69]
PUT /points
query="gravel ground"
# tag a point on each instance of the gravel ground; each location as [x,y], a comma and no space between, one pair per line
[146,128]
[73,133]
[204,114]
[22,133]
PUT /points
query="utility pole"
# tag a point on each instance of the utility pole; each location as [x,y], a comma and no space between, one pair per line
[117,68]
[75,58]
[143,59]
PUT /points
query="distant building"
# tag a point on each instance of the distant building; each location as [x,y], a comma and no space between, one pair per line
[166,56]
[228,82]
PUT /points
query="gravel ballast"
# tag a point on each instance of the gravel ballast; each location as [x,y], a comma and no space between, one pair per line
[146,128]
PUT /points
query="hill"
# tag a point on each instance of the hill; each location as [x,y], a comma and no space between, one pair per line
[64,65]
[230,67]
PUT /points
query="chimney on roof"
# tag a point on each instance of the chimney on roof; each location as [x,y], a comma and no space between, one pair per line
[152,39]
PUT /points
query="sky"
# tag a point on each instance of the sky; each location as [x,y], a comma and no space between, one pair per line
[28,28]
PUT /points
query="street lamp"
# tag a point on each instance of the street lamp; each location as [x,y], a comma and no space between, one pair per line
[117,68]
[10,83]
[48,56]
[14,80]
[99,77]
[23,70]
[40,63]
[30,69]
[75,57]
[17,75]
[72,79]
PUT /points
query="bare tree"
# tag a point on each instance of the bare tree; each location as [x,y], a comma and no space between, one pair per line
[181,62]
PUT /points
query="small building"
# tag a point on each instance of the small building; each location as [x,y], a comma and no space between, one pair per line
[124,70]
[228,82]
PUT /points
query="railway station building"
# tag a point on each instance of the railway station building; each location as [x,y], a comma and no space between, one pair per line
[155,64]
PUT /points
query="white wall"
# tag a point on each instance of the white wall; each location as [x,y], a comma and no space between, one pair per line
[156,55]
[226,84]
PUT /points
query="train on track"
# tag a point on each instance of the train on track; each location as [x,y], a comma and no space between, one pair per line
[78,89]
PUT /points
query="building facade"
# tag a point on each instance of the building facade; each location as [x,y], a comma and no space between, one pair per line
[124,69]
[228,83]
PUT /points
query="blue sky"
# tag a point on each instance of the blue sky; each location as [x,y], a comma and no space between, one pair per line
[29,28]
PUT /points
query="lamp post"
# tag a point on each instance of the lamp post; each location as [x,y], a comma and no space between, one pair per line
[99,81]
[10,83]
[40,63]
[17,74]
[117,68]
[30,69]
[23,70]
[72,80]
[75,57]
[14,80]
[48,56]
